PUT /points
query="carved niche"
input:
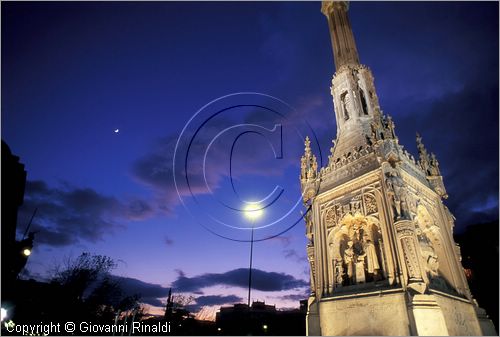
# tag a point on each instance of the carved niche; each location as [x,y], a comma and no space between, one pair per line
[428,235]
[355,247]
[356,250]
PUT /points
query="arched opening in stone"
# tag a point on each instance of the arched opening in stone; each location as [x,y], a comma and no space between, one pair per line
[356,251]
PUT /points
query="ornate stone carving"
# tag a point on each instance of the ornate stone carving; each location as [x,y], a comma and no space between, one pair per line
[434,166]
[330,217]
[372,264]
[355,251]
[308,163]
[339,272]
[312,269]
[309,194]
[370,203]
[424,156]
[310,250]
[397,193]
[405,230]
[309,228]
[428,253]
[410,255]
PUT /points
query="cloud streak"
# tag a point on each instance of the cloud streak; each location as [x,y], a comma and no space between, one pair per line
[261,280]
[213,300]
[149,293]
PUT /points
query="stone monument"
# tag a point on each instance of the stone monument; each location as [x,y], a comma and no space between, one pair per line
[380,246]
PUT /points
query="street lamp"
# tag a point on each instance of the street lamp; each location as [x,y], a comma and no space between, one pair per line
[252,212]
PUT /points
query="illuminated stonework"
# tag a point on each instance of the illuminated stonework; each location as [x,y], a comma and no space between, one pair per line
[380,244]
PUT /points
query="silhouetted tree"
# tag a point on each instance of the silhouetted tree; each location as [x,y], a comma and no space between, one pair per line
[80,275]
[92,292]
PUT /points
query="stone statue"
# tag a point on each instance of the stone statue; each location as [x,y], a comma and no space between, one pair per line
[372,265]
[397,193]
[373,135]
[349,262]
[433,265]
[339,272]
[360,268]
[391,127]
[428,253]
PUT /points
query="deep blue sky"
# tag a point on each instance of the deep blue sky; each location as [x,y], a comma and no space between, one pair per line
[72,73]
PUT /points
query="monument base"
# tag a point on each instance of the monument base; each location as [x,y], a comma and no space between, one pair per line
[380,313]
[395,312]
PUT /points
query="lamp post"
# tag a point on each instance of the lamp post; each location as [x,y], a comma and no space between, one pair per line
[250,269]
[252,212]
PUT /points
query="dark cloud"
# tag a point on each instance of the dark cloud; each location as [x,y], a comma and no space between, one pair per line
[149,292]
[168,241]
[293,255]
[217,299]
[284,240]
[155,170]
[137,209]
[69,215]
[295,297]
[211,300]
[261,280]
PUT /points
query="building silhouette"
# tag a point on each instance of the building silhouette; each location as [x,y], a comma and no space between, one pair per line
[260,319]
[382,256]
[15,253]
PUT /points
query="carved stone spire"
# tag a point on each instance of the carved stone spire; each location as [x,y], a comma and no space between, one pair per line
[308,163]
[424,156]
[307,147]
[434,166]
[344,46]
[353,91]
[430,166]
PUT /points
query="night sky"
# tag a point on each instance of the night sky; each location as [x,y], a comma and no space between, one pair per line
[74,73]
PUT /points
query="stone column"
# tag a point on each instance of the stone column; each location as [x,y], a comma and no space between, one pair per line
[405,231]
[344,47]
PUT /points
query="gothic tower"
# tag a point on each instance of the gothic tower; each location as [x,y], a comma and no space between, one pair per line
[380,246]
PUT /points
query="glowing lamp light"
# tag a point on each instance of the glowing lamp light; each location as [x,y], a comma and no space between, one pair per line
[253,211]
[26,252]
[3,314]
